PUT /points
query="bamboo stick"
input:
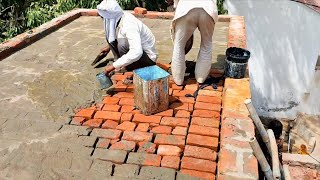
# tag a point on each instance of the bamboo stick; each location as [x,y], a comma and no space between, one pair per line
[261,158]
[274,155]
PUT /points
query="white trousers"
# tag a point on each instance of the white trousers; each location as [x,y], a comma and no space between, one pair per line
[184,28]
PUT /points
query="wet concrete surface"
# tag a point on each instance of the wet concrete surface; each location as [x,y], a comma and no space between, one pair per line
[42,84]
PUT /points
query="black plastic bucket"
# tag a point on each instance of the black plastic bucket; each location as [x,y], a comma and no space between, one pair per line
[236,62]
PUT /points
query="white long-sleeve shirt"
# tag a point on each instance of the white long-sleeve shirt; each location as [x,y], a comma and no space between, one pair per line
[140,39]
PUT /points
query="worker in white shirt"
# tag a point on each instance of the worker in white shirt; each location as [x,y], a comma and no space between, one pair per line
[131,42]
[189,15]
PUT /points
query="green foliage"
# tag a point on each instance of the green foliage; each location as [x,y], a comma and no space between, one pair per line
[18,16]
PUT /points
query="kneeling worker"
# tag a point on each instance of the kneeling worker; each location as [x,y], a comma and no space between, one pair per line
[189,15]
[131,42]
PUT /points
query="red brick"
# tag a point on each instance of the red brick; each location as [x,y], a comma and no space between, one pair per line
[99,106]
[86,113]
[144,159]
[208,122]
[106,133]
[143,127]
[210,93]
[128,74]
[108,115]
[126,117]
[126,126]
[173,121]
[130,88]
[170,162]
[182,114]
[136,112]
[200,153]
[109,107]
[168,150]
[161,130]
[162,139]
[127,109]
[136,136]
[164,66]
[207,106]
[186,99]
[191,87]
[219,88]
[126,101]
[202,130]
[78,120]
[173,99]
[124,145]
[182,93]
[111,100]
[167,113]
[103,143]
[139,10]
[118,77]
[206,114]
[113,141]
[120,87]
[95,123]
[176,87]
[109,124]
[180,106]
[180,131]
[199,174]
[227,161]
[147,147]
[140,118]
[209,99]
[198,164]
[202,141]
[124,95]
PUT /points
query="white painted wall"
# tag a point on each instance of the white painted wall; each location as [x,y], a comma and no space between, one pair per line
[284,39]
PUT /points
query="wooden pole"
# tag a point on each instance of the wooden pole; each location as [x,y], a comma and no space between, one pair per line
[274,155]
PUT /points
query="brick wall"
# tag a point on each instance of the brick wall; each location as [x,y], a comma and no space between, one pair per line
[236,160]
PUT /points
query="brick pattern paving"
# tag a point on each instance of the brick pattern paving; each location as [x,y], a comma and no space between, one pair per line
[184,138]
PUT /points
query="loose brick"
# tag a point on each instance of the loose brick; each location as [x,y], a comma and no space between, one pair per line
[209,99]
[162,139]
[106,133]
[119,87]
[124,145]
[180,106]
[164,66]
[200,153]
[111,107]
[87,141]
[108,115]
[167,113]
[130,88]
[140,118]
[147,147]
[173,121]
[150,172]
[208,122]
[176,87]
[95,123]
[186,100]
[99,106]
[168,150]
[205,114]
[198,164]
[78,121]
[126,126]
[124,95]
[173,99]
[136,136]
[144,159]
[116,156]
[126,170]
[192,173]
[126,117]
[203,141]
[111,100]
[180,131]
[99,166]
[86,113]
[139,10]
[191,87]
[109,124]
[207,106]
[210,93]
[170,162]
[118,77]
[161,130]
[127,109]
[126,101]
[103,143]
[202,130]
[182,114]
[143,127]
[182,93]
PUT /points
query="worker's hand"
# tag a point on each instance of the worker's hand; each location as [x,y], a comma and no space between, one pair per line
[103,53]
[108,69]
